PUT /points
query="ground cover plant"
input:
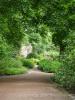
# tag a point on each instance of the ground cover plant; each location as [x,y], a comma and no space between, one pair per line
[11,66]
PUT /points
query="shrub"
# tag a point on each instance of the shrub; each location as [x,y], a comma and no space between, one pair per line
[49,66]
[32,55]
[53,54]
[44,65]
[66,75]
[7,50]
[11,66]
[35,60]
[55,65]
[41,56]
[66,78]
[29,63]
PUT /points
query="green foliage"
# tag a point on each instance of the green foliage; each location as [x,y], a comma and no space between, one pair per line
[39,42]
[11,66]
[66,75]
[40,22]
[32,55]
[34,61]
[13,71]
[52,54]
[41,56]
[44,65]
[29,63]
[64,26]
[25,17]
[49,66]
[55,65]
[7,50]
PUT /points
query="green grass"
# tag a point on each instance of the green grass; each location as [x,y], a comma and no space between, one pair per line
[11,66]
[13,71]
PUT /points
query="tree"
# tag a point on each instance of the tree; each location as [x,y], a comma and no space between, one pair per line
[19,16]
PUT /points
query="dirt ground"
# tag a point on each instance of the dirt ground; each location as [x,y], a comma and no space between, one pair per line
[34,85]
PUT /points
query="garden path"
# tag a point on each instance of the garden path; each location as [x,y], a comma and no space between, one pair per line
[35,85]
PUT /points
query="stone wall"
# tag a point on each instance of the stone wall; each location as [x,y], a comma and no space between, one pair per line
[26,50]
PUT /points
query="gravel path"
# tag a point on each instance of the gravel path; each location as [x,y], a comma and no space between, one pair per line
[34,85]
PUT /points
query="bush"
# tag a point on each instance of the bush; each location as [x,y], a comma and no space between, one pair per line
[41,56]
[66,75]
[55,65]
[49,66]
[29,63]
[11,66]
[13,71]
[66,78]
[7,50]
[35,60]
[53,54]
[32,55]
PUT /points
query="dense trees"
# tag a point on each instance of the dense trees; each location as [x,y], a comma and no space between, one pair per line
[38,22]
[24,17]
[59,15]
